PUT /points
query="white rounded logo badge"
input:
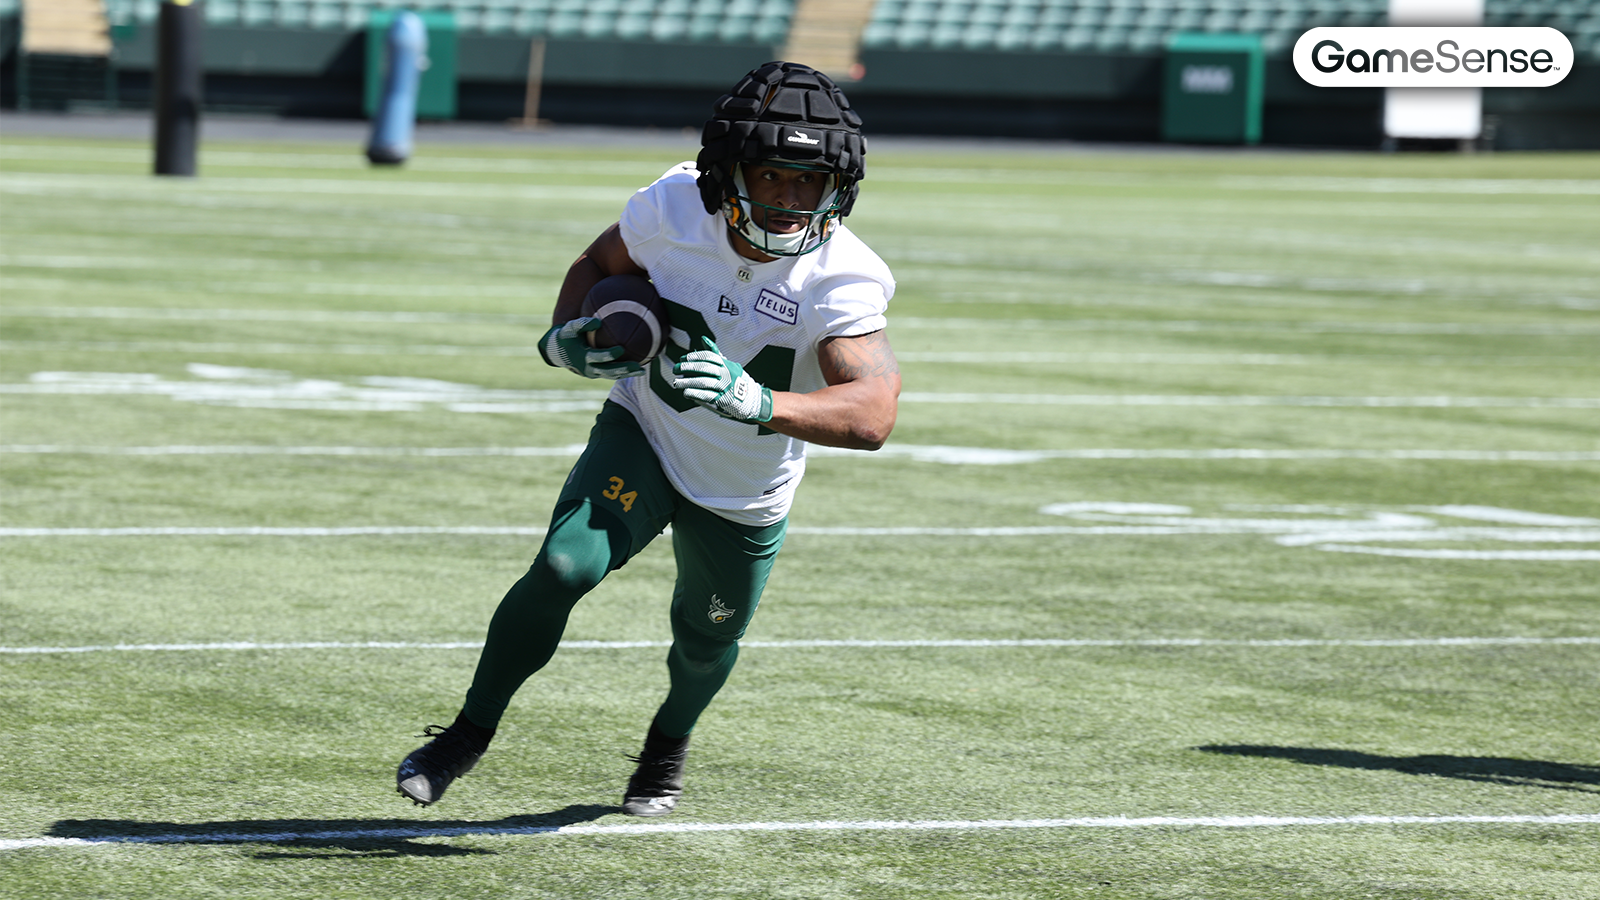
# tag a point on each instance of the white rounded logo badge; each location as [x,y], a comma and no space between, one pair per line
[1453,57]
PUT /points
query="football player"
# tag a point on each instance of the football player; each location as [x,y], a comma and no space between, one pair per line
[776,341]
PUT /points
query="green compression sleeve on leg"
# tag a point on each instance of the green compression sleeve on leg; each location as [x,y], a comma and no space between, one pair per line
[699,666]
[722,570]
[583,544]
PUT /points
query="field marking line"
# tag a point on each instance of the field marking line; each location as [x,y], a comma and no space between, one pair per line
[241,347]
[823,643]
[271,315]
[214,158]
[903,322]
[1523,555]
[1392,185]
[581,830]
[932,453]
[819,531]
[1384,402]
[1351,536]
[269,531]
[572,450]
[139,186]
[957,358]
[887,171]
[267,388]
[1190,326]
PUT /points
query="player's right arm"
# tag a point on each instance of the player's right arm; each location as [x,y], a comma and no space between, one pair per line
[565,345]
[606,256]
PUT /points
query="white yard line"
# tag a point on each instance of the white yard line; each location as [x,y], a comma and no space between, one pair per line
[1252,400]
[269,531]
[241,348]
[279,390]
[842,644]
[1366,533]
[490,829]
[1144,326]
[568,450]
[885,171]
[138,186]
[201,314]
[1496,329]
[917,452]
[1353,538]
[948,358]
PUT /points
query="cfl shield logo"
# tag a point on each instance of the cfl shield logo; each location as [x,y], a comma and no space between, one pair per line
[1443,57]
[719,611]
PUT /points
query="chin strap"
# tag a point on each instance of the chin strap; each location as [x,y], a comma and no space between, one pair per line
[820,223]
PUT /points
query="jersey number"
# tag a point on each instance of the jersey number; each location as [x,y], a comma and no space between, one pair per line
[615,493]
[773,366]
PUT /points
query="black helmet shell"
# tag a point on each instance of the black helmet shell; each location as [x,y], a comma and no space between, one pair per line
[781,110]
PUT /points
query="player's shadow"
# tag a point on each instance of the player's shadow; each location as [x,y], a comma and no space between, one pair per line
[1490,769]
[318,838]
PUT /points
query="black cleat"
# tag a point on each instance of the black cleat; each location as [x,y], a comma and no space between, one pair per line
[657,784]
[430,768]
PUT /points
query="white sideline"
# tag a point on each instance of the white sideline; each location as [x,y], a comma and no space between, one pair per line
[489,830]
[841,643]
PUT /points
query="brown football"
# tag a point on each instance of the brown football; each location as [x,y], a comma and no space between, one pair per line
[634,316]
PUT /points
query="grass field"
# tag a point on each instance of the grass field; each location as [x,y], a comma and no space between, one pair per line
[1239,538]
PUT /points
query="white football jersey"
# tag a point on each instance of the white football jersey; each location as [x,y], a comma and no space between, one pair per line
[768,317]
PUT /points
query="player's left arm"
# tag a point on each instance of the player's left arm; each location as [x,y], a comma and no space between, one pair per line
[856,410]
[858,407]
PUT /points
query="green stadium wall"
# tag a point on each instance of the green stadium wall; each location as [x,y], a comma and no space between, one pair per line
[1106,96]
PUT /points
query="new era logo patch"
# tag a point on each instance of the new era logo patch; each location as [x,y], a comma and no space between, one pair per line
[727,307]
[776,307]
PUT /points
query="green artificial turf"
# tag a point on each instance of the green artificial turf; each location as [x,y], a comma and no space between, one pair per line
[1062,638]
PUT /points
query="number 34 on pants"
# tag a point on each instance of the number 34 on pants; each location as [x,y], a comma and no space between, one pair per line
[616,493]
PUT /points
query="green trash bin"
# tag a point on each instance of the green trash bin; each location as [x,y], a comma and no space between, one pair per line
[436,92]
[1212,87]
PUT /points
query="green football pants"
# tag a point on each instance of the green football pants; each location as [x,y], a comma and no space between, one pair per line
[615,502]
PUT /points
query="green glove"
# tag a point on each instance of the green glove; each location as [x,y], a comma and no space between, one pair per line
[565,346]
[722,386]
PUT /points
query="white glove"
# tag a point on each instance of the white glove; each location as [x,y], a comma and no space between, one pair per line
[565,346]
[722,386]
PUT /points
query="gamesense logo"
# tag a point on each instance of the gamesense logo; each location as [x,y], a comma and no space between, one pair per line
[1433,57]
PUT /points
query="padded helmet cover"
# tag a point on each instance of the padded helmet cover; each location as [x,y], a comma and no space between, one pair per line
[781,110]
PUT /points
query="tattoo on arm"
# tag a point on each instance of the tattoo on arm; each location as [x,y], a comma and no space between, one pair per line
[861,358]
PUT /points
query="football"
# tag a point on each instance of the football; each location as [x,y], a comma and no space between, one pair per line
[633,314]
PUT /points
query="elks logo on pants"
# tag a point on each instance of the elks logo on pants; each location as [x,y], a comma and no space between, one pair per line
[719,611]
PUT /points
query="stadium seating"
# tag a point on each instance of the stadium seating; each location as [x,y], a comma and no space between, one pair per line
[1143,25]
[949,25]
[726,21]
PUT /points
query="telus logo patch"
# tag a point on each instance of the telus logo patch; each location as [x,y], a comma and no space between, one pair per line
[1433,57]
